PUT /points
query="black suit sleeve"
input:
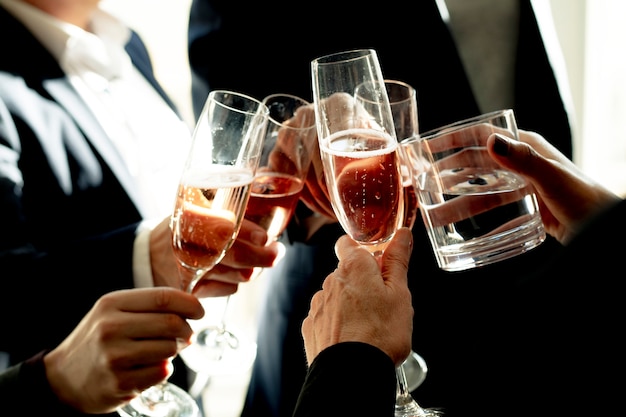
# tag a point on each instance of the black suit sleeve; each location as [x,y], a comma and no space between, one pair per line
[348,379]
[25,389]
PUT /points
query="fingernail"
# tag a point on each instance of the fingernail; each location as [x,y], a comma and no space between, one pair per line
[501,145]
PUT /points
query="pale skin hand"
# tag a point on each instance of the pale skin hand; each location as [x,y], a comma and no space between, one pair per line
[298,136]
[360,302]
[567,197]
[121,347]
[248,251]
[315,194]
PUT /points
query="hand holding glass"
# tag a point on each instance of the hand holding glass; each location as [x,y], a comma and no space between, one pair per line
[358,147]
[476,212]
[362,164]
[289,142]
[209,208]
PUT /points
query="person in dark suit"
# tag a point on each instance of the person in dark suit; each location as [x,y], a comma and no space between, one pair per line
[458,310]
[91,150]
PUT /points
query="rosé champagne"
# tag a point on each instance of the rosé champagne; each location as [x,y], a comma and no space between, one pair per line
[365,183]
[273,199]
[208,213]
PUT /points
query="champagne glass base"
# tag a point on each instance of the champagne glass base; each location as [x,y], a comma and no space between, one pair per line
[412,409]
[219,352]
[171,401]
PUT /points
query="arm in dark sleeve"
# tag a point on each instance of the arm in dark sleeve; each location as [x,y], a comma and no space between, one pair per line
[73,241]
[349,379]
[25,387]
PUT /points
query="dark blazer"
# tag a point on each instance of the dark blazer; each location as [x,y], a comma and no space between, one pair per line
[68,203]
[24,386]
[456,313]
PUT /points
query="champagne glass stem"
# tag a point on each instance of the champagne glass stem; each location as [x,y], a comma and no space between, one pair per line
[195,277]
[218,338]
[378,255]
[406,406]
[223,318]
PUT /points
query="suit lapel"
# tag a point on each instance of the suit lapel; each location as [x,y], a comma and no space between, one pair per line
[63,92]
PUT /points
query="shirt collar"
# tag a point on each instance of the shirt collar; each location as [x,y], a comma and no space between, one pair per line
[78,51]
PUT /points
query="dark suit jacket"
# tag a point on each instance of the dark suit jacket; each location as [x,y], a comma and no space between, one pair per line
[561,349]
[24,386]
[67,201]
[456,313]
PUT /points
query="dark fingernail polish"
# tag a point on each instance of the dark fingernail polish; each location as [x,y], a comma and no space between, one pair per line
[501,146]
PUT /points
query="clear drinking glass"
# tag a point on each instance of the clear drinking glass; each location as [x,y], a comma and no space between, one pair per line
[289,144]
[209,207]
[287,148]
[361,158]
[358,147]
[475,211]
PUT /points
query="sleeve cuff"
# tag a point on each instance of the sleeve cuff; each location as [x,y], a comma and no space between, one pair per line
[142,271]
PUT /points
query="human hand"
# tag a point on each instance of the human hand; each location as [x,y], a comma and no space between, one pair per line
[121,347]
[295,142]
[250,250]
[567,197]
[360,302]
[295,151]
[247,252]
[314,193]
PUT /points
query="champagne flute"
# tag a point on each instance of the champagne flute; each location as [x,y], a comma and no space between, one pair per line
[358,147]
[209,208]
[285,158]
[289,144]
[361,158]
[359,151]
[403,102]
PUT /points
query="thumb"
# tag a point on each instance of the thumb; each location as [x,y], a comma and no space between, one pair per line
[543,173]
[395,263]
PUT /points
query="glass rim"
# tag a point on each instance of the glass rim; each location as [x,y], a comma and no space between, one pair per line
[260,106]
[412,92]
[291,96]
[411,140]
[344,56]
[460,124]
